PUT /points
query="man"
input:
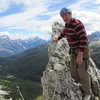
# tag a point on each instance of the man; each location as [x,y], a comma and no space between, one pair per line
[75,34]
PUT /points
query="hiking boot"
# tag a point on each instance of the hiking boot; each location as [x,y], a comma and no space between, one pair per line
[87,97]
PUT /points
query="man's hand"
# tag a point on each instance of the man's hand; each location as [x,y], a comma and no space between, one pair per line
[55,40]
[79,58]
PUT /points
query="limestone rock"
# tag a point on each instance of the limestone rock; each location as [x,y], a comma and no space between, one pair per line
[57,82]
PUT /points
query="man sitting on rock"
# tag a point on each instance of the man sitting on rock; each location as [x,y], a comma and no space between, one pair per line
[75,33]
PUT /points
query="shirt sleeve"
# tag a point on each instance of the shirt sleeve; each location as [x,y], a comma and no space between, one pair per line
[62,34]
[81,32]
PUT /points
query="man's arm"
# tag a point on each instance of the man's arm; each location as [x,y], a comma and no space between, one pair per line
[60,37]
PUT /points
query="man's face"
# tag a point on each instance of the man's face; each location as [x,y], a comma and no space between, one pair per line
[66,17]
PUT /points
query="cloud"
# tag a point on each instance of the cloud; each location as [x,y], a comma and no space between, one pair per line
[4,4]
[27,20]
[88,13]
[14,36]
[87,5]
[80,5]
[33,8]
[97,1]
[90,19]
[24,36]
[38,7]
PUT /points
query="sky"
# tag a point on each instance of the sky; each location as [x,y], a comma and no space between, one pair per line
[30,18]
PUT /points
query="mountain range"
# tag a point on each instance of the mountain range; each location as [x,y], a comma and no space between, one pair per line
[27,65]
[24,70]
[96,52]
[30,63]
[10,47]
[95,36]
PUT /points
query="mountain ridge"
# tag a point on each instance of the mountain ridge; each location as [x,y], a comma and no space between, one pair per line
[10,47]
[95,36]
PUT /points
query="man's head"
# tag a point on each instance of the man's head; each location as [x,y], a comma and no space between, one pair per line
[66,15]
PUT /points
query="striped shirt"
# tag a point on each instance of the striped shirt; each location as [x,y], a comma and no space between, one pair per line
[75,34]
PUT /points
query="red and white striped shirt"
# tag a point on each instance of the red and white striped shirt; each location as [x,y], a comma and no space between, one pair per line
[75,34]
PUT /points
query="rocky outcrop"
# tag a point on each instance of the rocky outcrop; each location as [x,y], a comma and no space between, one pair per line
[57,82]
[3,93]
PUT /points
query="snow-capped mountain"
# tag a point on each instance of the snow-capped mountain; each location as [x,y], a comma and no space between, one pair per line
[10,47]
[95,36]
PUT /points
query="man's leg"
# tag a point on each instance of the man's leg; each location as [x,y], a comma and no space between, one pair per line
[85,77]
[73,68]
